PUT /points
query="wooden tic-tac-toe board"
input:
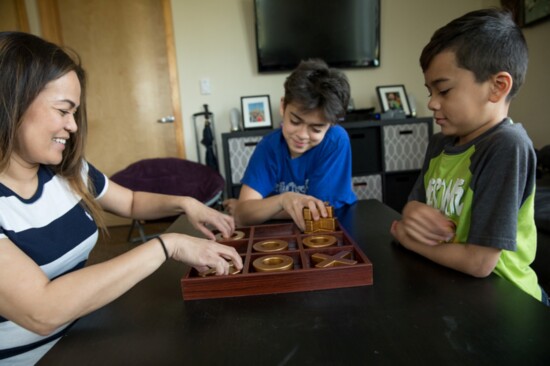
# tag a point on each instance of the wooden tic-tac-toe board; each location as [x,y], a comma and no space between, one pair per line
[278,258]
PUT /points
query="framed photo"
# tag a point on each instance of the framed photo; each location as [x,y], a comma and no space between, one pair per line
[535,11]
[393,97]
[256,112]
[528,12]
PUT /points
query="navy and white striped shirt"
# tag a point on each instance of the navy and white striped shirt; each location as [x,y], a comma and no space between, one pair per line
[55,231]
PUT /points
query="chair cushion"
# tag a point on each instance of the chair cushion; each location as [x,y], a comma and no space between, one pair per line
[171,176]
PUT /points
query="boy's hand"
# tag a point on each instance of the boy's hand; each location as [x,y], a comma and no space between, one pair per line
[396,230]
[294,203]
[426,224]
[229,205]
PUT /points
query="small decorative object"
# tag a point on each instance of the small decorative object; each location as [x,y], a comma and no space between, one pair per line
[256,111]
[393,98]
[235,120]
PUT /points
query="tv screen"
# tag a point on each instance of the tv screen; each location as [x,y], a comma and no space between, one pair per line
[344,33]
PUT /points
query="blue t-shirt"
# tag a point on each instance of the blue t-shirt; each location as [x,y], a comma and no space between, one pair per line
[323,172]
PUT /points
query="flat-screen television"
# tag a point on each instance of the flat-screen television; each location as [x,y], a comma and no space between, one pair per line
[344,33]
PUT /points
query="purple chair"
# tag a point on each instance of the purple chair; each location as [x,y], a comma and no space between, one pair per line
[172,176]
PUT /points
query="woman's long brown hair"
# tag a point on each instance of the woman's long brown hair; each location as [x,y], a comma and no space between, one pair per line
[27,64]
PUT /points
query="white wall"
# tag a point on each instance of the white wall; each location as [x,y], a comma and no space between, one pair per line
[215,40]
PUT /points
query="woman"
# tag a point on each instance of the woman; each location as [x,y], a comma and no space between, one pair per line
[51,200]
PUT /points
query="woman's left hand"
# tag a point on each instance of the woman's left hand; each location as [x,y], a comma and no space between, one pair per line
[200,216]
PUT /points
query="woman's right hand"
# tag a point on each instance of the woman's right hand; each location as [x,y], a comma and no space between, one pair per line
[202,254]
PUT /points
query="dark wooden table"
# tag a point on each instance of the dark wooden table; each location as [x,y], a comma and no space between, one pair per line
[417,312]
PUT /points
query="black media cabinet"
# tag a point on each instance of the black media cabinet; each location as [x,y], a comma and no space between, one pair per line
[387,156]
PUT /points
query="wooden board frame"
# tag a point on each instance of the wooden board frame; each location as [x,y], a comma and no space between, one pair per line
[303,277]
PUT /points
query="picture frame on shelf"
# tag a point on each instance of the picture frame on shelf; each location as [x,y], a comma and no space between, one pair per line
[256,112]
[393,98]
[535,11]
[528,12]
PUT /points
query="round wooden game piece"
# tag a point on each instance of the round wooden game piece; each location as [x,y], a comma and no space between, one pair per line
[236,236]
[319,241]
[272,263]
[272,245]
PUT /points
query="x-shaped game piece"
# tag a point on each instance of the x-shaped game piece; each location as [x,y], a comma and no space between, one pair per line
[339,259]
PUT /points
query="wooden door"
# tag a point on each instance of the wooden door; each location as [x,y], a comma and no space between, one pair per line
[127,49]
[13,16]
[124,49]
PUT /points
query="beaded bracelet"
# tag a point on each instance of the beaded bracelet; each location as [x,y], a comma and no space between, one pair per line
[163,247]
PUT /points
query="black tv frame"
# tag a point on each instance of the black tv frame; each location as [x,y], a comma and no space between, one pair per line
[345,64]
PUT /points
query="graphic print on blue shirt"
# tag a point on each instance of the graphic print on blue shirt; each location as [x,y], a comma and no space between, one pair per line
[282,187]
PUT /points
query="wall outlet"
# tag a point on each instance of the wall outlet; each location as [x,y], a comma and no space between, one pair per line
[205,86]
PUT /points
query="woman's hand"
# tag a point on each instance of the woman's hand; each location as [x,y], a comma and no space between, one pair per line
[200,215]
[202,254]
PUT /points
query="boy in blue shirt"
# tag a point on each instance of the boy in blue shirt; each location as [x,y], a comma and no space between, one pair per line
[472,207]
[308,160]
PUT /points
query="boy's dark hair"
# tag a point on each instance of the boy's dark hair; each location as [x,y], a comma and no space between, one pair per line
[485,42]
[313,85]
